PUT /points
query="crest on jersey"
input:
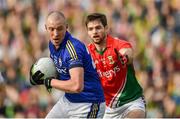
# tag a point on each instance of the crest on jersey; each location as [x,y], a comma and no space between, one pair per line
[111,61]
[103,62]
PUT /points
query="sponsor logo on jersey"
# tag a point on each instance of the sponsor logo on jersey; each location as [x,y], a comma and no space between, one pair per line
[62,70]
[109,73]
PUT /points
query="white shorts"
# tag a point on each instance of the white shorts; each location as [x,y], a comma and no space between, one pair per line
[122,111]
[66,109]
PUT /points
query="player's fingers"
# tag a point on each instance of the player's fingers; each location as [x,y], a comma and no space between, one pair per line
[40,75]
[122,58]
[32,82]
[37,75]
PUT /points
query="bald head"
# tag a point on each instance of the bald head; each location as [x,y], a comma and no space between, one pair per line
[56,16]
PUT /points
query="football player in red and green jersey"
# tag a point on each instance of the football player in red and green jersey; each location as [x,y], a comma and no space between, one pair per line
[113,59]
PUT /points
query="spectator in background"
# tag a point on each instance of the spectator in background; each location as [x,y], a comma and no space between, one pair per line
[2,95]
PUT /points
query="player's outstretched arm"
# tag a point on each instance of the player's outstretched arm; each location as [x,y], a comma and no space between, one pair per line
[127,52]
[125,55]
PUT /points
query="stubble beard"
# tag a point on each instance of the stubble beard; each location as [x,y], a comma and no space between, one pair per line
[100,41]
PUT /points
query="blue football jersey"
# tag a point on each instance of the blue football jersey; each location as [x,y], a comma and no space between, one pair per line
[73,53]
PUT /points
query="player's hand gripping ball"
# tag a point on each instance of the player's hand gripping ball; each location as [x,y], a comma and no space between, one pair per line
[43,68]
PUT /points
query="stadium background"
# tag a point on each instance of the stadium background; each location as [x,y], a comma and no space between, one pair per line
[152,26]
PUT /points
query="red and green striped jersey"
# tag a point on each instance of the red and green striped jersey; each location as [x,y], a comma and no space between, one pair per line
[119,82]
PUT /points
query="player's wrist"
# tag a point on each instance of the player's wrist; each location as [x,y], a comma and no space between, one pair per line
[47,83]
[125,59]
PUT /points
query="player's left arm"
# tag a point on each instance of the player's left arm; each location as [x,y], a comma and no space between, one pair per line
[76,82]
[74,85]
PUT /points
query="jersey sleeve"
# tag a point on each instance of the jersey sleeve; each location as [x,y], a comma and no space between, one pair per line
[123,44]
[75,55]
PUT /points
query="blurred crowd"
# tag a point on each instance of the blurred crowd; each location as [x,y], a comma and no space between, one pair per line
[152,27]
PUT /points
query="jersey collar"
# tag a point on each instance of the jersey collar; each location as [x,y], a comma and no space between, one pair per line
[65,39]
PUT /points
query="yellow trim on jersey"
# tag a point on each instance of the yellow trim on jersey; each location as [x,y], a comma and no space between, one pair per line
[94,111]
[71,50]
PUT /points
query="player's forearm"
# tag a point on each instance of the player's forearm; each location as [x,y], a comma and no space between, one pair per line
[69,86]
[129,53]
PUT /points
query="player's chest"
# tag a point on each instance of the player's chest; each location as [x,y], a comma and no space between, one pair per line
[107,60]
[59,59]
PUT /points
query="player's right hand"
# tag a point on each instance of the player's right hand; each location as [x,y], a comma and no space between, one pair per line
[47,83]
[36,78]
[122,58]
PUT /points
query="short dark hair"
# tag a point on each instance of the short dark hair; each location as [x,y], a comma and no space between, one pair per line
[96,16]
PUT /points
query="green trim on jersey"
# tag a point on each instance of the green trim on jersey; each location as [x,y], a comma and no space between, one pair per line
[101,52]
[132,89]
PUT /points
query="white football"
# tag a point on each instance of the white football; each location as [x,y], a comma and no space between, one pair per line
[46,66]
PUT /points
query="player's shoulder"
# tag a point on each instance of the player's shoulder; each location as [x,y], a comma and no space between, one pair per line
[91,47]
[120,40]
[75,42]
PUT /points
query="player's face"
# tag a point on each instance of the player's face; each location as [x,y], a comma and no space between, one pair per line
[96,31]
[56,30]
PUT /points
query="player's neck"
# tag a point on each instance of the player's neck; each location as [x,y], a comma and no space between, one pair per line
[56,47]
[101,47]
